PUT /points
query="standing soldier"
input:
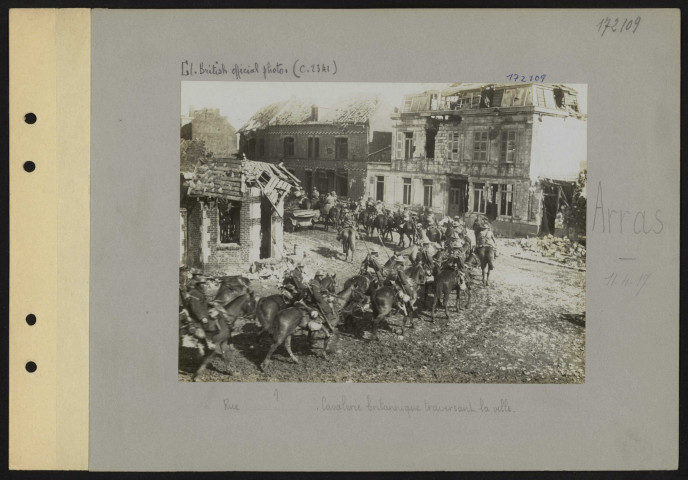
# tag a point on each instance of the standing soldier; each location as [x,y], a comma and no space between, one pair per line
[315,195]
[487,239]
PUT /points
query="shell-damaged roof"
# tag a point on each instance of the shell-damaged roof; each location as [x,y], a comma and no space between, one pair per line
[357,109]
[222,177]
[455,88]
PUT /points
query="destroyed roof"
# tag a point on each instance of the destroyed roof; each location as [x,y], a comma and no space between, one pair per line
[222,177]
[456,88]
[295,111]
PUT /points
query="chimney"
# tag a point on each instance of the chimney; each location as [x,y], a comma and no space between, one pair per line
[191,110]
[314,113]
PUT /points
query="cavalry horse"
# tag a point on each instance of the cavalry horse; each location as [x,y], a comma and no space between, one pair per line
[282,324]
[223,319]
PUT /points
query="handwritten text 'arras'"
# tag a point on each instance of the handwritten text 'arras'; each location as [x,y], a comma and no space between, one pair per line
[255,70]
[622,220]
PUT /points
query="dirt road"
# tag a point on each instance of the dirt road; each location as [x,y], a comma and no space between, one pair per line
[527,327]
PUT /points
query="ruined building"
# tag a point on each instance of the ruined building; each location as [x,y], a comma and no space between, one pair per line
[324,147]
[231,213]
[218,135]
[509,151]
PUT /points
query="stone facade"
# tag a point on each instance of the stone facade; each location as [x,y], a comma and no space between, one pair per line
[214,130]
[450,161]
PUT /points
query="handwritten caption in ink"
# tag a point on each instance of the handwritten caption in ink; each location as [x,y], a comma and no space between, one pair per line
[376,404]
[517,77]
[267,70]
[344,404]
[628,25]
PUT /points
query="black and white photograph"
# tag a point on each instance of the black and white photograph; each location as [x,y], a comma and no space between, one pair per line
[383,232]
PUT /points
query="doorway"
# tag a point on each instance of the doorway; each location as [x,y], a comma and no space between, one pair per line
[458,197]
[265,227]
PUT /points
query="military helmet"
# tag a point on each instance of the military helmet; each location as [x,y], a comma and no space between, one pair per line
[319,273]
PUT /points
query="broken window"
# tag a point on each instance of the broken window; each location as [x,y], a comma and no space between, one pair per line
[508,147]
[480,147]
[289,147]
[506,200]
[486,97]
[408,145]
[229,216]
[341,148]
[427,193]
[313,147]
[559,97]
[406,200]
[475,100]
[430,142]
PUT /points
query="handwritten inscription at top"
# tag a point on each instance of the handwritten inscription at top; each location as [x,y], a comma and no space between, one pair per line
[607,25]
[240,71]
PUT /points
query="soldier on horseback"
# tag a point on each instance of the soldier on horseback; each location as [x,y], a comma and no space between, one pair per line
[318,293]
[348,221]
[371,265]
[293,287]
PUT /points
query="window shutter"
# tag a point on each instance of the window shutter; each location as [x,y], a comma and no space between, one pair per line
[400,144]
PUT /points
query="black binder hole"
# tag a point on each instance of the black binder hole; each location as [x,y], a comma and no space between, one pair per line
[31,319]
[29,166]
[31,367]
[30,118]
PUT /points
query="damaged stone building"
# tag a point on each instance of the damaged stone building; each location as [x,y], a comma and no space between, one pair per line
[510,151]
[326,147]
[207,125]
[231,213]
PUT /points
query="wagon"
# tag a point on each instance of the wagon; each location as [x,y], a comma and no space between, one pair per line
[295,219]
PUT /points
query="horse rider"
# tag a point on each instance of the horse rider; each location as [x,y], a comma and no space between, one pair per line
[455,260]
[293,284]
[318,293]
[397,278]
[429,218]
[348,221]
[379,207]
[361,205]
[429,251]
[372,262]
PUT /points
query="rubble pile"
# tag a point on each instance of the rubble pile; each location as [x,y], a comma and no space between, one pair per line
[275,271]
[559,249]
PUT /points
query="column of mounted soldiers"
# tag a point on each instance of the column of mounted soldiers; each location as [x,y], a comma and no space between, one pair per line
[438,255]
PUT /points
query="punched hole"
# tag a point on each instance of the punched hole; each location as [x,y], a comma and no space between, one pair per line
[30,118]
[29,166]
[31,367]
[31,319]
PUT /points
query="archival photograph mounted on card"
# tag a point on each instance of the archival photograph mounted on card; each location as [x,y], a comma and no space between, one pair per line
[372,232]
